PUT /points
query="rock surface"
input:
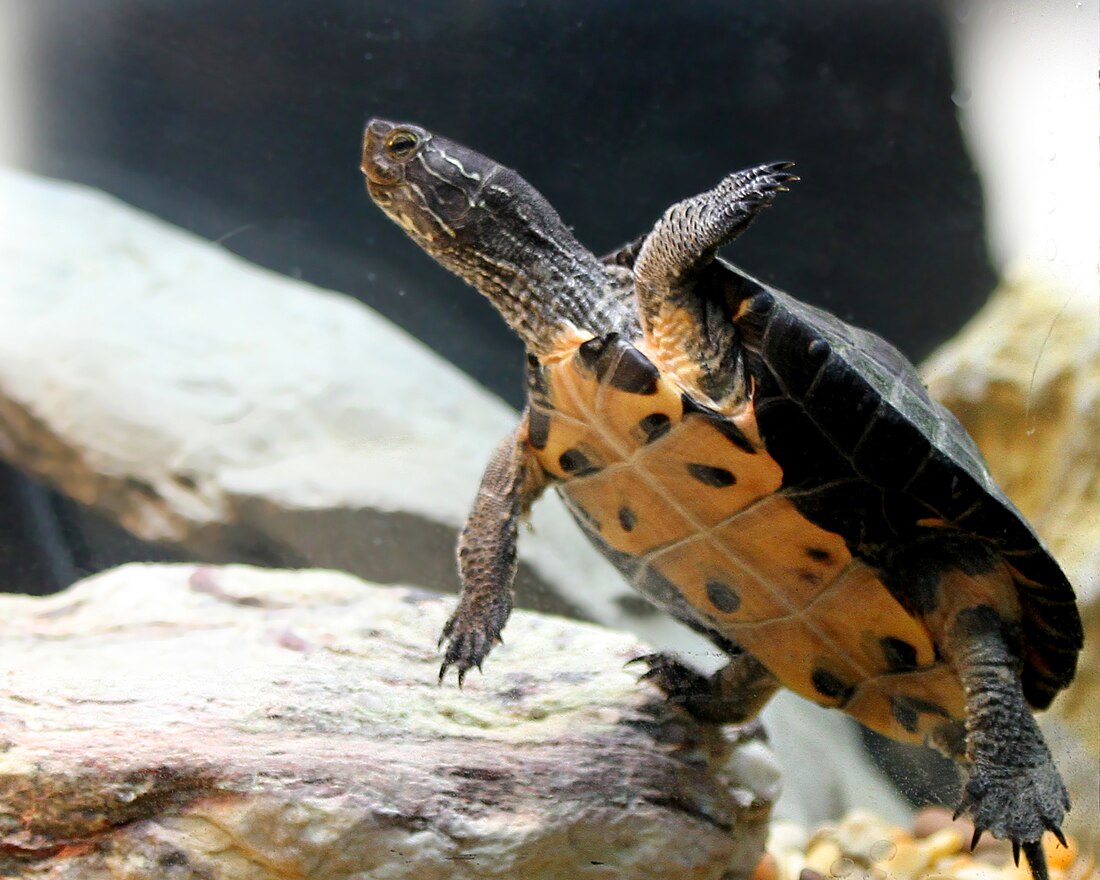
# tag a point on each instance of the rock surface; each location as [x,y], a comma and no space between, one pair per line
[206,402]
[197,722]
[1024,378]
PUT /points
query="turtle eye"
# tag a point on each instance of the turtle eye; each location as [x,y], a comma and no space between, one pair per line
[401,144]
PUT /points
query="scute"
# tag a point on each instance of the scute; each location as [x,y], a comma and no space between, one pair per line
[698,514]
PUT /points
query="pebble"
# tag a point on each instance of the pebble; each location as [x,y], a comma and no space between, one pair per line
[937,847]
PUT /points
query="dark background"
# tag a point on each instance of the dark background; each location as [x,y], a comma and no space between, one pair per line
[241,121]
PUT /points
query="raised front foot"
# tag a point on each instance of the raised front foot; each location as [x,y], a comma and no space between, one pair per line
[733,695]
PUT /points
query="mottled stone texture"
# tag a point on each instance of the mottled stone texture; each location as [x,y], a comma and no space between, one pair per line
[1024,378]
[199,722]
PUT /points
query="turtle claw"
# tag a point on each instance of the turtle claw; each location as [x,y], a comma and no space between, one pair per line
[469,637]
[1016,853]
[1057,832]
[678,682]
[1036,859]
[976,839]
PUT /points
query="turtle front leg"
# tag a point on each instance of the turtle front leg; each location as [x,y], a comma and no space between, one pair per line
[1013,790]
[487,554]
[733,695]
[689,334]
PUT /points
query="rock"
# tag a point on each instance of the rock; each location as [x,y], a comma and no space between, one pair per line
[183,721]
[862,846]
[206,402]
[244,416]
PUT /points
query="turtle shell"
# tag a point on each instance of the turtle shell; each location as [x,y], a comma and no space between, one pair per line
[870,416]
[795,527]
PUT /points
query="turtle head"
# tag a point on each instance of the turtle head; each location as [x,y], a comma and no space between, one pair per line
[426,184]
[489,226]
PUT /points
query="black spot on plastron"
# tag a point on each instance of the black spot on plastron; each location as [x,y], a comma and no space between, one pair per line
[719,422]
[654,426]
[906,715]
[536,379]
[809,577]
[538,428]
[634,373]
[829,685]
[575,462]
[594,354]
[900,656]
[718,478]
[627,519]
[723,597]
[907,710]
[819,555]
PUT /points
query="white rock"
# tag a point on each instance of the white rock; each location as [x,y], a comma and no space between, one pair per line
[182,721]
[205,401]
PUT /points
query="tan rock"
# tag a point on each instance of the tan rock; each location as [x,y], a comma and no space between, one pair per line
[188,722]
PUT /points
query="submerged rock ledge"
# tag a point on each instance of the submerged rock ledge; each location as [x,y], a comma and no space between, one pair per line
[186,721]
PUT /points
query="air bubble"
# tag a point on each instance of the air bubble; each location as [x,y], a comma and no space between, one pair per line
[1051,251]
[883,851]
[842,867]
[961,96]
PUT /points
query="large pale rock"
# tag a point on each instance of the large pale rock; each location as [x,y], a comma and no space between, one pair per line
[182,721]
[245,416]
[206,402]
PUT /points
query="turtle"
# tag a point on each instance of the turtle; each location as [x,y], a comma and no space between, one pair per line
[773,477]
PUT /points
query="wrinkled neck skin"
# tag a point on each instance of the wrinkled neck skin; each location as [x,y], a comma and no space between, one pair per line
[513,247]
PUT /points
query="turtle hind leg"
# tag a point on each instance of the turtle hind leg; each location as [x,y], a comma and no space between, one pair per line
[1013,790]
[733,695]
